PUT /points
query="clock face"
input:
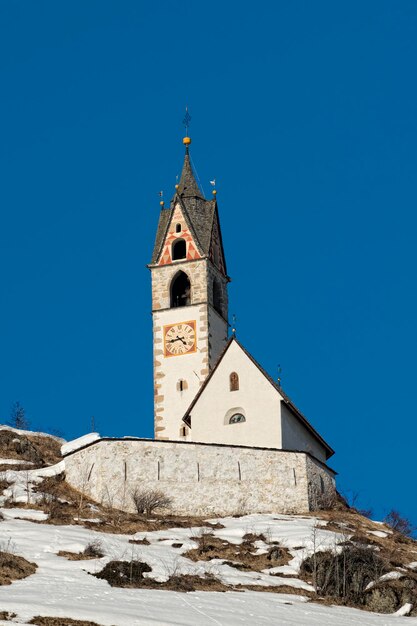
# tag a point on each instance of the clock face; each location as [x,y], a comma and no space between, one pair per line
[180,338]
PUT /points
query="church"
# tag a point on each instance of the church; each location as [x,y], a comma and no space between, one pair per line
[227,438]
[208,388]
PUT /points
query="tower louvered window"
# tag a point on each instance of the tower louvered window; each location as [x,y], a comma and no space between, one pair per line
[180,290]
[179,249]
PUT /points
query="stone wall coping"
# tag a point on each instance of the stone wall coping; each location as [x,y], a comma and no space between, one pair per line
[201,443]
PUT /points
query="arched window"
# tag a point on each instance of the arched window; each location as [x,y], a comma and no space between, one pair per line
[179,249]
[178,228]
[180,290]
[217,296]
[234,381]
[237,418]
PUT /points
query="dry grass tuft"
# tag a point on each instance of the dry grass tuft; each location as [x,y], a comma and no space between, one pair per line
[92,551]
[74,556]
[142,542]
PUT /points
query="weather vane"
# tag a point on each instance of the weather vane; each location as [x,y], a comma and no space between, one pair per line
[234,325]
[186,121]
[279,375]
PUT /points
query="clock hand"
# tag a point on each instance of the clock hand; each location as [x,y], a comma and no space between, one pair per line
[173,340]
[180,338]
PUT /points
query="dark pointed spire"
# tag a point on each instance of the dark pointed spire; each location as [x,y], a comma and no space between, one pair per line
[188,186]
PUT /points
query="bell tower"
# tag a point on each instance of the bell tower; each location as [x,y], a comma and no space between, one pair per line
[189,300]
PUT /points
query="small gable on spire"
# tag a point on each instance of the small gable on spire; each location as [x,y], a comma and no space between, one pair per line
[188,186]
[177,231]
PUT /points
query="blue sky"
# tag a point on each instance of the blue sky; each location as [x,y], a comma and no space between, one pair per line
[305,115]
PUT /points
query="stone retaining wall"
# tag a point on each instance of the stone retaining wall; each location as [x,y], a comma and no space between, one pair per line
[201,479]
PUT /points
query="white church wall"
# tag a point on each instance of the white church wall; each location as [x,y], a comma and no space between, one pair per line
[295,436]
[217,336]
[200,479]
[256,399]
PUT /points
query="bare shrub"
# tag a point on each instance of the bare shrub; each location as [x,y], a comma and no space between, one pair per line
[204,538]
[146,501]
[242,507]
[327,500]
[345,575]
[50,504]
[94,549]
[399,524]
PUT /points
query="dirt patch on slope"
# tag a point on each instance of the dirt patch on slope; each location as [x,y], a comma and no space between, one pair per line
[130,574]
[397,549]
[39,450]
[75,556]
[13,567]
[241,556]
[7,615]
[60,621]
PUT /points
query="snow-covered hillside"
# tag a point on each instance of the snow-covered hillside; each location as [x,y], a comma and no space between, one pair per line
[263,552]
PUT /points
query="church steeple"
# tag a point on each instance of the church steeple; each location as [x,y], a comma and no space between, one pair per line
[201,227]
[189,299]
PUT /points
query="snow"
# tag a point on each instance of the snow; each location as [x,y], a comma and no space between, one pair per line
[404,610]
[374,521]
[412,565]
[64,588]
[21,483]
[378,533]
[76,444]
[389,576]
[14,462]
[32,514]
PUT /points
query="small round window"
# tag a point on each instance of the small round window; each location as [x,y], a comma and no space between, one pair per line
[237,418]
